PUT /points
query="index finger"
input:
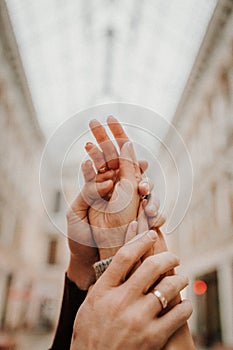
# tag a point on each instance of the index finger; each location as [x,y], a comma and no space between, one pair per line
[117,131]
[127,256]
[108,148]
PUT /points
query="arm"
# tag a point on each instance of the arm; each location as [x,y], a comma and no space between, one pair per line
[73,297]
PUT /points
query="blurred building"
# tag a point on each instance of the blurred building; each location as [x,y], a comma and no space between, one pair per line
[31,252]
[33,255]
[204,239]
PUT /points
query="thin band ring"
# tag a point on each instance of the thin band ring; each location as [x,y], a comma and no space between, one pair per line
[161,297]
[102,170]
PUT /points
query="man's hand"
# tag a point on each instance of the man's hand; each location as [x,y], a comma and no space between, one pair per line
[120,312]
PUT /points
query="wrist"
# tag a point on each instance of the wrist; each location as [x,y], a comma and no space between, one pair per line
[82,275]
[106,253]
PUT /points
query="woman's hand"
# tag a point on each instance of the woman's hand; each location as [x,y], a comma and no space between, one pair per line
[121,312]
[83,250]
[109,218]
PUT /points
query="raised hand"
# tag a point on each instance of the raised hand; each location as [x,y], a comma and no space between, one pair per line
[109,218]
[83,250]
[122,311]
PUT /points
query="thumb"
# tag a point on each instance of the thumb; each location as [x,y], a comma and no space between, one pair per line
[91,192]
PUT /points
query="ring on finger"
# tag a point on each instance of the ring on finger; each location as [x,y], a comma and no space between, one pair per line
[102,170]
[161,297]
[145,196]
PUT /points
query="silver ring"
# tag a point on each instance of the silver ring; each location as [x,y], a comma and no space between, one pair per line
[145,196]
[161,297]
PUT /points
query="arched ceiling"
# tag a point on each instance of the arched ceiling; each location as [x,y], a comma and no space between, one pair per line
[79,53]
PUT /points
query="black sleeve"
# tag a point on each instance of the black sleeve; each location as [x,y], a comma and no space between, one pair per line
[73,297]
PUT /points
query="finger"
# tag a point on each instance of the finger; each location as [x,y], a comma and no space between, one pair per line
[131,231]
[172,320]
[126,163]
[142,219]
[90,192]
[127,256]
[108,175]
[96,155]
[117,131]
[145,187]
[152,206]
[157,221]
[88,171]
[121,138]
[143,165]
[150,270]
[107,146]
[137,170]
[143,226]
[170,287]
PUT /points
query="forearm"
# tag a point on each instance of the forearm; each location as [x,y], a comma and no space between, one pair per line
[83,275]
[72,300]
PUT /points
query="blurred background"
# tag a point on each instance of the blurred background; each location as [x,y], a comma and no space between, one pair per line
[57,58]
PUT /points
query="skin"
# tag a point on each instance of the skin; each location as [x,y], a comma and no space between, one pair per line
[115,299]
[83,251]
[130,172]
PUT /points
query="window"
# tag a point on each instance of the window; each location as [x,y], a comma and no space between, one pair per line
[57,203]
[52,251]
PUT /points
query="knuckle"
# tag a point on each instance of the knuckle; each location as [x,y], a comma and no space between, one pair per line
[189,308]
[151,262]
[124,255]
[171,258]
[171,284]
[136,322]
[184,280]
[186,310]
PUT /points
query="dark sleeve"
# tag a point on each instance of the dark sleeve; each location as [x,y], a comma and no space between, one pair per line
[73,297]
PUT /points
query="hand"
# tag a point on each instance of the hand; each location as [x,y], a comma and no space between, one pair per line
[181,339]
[83,251]
[109,218]
[121,312]
[81,243]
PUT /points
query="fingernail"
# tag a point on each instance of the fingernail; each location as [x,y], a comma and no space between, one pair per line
[152,234]
[144,202]
[93,121]
[145,185]
[88,145]
[111,118]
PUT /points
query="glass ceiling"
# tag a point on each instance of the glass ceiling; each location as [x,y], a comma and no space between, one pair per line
[79,53]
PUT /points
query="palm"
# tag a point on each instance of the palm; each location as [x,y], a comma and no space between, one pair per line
[109,219]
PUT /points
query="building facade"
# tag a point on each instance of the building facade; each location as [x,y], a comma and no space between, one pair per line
[32,252]
[204,239]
